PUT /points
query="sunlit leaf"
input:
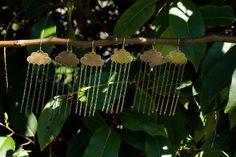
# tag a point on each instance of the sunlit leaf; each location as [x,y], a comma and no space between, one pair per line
[134,17]
[20,152]
[15,26]
[231,105]
[7,145]
[51,121]
[186,22]
[32,125]
[25,124]
[105,142]
[45,27]
[217,16]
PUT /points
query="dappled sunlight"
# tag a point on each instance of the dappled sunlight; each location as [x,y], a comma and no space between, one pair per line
[181,11]
[226,47]
[142,39]
[169,155]
[55,103]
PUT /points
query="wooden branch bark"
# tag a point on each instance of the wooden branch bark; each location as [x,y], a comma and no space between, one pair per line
[115,41]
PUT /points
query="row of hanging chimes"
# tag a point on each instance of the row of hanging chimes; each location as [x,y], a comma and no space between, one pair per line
[88,81]
[157,82]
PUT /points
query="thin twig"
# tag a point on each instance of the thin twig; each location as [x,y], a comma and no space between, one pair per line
[17,134]
[5,50]
[117,41]
[5,68]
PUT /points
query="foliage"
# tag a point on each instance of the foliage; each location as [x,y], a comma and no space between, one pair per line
[205,121]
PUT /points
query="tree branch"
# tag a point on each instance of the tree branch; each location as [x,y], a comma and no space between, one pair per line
[116,41]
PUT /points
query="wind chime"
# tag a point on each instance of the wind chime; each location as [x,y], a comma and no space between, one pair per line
[157,82]
[148,76]
[176,61]
[89,82]
[64,77]
[115,93]
[35,82]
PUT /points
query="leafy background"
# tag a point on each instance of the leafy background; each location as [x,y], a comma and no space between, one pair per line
[204,123]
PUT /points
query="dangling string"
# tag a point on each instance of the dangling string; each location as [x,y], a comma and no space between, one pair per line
[88,90]
[42,34]
[122,83]
[93,49]
[68,91]
[25,88]
[178,44]
[40,89]
[67,45]
[123,44]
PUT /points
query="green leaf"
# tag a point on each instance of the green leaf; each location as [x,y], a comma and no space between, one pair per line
[217,16]
[214,153]
[1,109]
[105,142]
[51,121]
[161,20]
[78,143]
[7,145]
[139,122]
[21,153]
[12,3]
[165,49]
[35,8]
[45,27]
[224,140]
[134,17]
[232,118]
[134,138]
[208,129]
[143,100]
[214,54]
[26,3]
[186,22]
[152,147]
[15,26]
[25,124]
[231,105]
[92,123]
[32,125]
[192,115]
[175,127]
[216,78]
